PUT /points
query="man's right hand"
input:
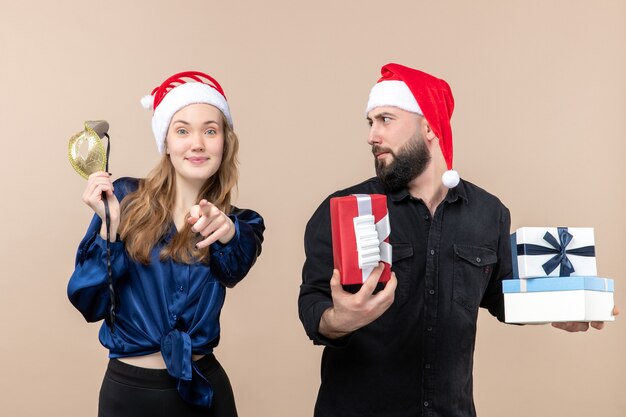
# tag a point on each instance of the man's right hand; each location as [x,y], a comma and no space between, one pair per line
[353,311]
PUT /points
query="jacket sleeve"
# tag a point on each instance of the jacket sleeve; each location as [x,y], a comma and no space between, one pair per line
[493,299]
[231,262]
[315,295]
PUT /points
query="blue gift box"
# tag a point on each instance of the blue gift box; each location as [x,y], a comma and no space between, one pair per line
[557,284]
[553,252]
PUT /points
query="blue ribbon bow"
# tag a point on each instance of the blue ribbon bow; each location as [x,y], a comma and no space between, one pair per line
[560,251]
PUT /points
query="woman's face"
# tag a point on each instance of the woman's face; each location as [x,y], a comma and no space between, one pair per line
[195,142]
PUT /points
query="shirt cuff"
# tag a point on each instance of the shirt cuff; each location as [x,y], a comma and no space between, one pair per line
[102,243]
[319,338]
[220,248]
[118,255]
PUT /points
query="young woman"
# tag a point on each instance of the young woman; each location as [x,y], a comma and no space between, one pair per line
[176,243]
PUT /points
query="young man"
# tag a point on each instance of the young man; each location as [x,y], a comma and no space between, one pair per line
[407,349]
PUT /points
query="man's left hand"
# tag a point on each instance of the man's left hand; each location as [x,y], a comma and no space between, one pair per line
[577,326]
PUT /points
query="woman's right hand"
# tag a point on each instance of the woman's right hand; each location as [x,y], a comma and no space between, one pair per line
[97,184]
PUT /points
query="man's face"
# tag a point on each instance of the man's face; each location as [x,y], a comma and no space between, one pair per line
[400,152]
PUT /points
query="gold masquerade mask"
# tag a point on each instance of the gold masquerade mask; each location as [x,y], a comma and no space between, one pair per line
[86,151]
[88,155]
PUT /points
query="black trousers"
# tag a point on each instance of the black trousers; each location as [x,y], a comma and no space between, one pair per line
[131,391]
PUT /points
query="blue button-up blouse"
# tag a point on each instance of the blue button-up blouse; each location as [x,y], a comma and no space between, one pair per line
[165,305]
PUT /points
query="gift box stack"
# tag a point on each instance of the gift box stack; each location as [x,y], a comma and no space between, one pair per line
[360,235]
[554,271]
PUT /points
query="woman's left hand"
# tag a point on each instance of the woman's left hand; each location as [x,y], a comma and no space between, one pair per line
[212,223]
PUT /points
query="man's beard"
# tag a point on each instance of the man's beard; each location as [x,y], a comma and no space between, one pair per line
[409,163]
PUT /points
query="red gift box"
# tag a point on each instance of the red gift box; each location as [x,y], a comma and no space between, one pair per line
[360,233]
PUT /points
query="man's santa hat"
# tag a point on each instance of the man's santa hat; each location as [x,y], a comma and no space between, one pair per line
[421,93]
[178,91]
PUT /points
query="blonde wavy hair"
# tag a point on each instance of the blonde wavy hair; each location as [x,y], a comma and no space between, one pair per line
[147,213]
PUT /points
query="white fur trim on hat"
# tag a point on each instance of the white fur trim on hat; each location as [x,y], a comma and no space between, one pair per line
[179,97]
[392,93]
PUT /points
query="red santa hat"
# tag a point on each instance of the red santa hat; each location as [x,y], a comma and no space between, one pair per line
[178,91]
[415,91]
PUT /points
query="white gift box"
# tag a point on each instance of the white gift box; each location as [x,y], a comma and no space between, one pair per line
[555,306]
[543,300]
[553,252]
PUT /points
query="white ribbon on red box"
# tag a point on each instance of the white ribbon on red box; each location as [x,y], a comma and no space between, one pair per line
[370,236]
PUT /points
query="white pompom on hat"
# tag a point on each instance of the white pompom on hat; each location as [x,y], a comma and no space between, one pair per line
[415,91]
[178,91]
